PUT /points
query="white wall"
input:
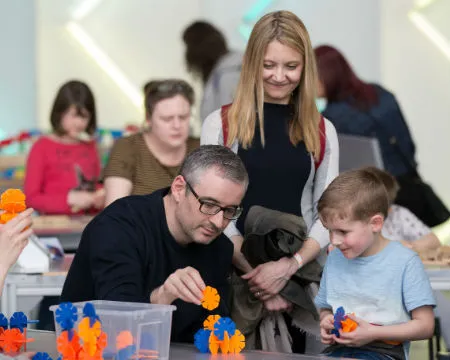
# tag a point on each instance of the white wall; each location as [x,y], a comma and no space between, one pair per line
[142,37]
[17,66]
[353,26]
[419,74]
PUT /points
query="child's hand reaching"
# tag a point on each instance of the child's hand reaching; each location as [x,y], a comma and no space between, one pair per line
[362,335]
[326,325]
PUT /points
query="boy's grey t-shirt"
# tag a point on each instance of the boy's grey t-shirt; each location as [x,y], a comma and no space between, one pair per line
[382,289]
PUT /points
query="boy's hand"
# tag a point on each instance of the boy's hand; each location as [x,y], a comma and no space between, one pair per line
[326,325]
[359,337]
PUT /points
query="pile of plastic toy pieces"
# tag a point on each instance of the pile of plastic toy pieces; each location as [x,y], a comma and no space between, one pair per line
[218,333]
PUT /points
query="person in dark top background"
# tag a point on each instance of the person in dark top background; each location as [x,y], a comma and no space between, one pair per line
[359,108]
[165,247]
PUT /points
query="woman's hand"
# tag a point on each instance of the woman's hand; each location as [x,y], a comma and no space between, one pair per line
[267,280]
[13,239]
[277,303]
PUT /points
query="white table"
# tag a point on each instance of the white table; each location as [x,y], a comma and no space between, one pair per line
[19,283]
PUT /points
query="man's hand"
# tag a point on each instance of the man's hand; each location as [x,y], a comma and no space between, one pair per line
[185,284]
[326,325]
[359,337]
[267,280]
[277,303]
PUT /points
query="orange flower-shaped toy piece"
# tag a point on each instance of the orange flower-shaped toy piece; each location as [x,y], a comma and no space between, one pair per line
[124,339]
[225,344]
[88,333]
[13,201]
[102,341]
[348,325]
[6,216]
[68,349]
[211,298]
[11,340]
[85,355]
[237,342]
[208,324]
[214,343]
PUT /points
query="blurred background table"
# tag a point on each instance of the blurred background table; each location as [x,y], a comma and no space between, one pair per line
[21,283]
[67,229]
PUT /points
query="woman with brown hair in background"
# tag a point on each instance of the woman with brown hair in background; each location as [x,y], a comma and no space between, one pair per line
[147,161]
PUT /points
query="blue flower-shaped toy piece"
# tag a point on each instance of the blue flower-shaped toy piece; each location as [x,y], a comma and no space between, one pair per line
[89,311]
[18,321]
[3,321]
[66,315]
[201,340]
[126,353]
[222,325]
[41,356]
[339,316]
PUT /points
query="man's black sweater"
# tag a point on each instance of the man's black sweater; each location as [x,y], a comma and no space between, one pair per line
[127,251]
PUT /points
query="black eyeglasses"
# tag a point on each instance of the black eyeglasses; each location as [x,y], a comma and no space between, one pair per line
[210,208]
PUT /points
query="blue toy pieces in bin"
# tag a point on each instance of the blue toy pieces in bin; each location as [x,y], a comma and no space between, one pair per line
[89,311]
[41,356]
[66,315]
[126,353]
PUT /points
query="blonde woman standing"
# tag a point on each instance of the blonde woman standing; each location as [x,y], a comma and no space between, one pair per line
[274,126]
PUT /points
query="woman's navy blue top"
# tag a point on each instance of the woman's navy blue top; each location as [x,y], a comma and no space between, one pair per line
[278,171]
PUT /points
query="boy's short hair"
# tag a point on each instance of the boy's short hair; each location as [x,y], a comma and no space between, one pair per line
[389,182]
[355,195]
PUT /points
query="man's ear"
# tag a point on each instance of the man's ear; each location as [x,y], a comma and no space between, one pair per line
[178,188]
[376,222]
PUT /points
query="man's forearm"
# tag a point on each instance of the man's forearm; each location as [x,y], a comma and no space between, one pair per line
[158,296]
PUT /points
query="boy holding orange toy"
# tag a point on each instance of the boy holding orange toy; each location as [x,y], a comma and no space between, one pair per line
[381,282]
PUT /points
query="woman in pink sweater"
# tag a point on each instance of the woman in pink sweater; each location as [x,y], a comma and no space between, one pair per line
[62,169]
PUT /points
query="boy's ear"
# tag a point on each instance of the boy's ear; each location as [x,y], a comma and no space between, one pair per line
[376,222]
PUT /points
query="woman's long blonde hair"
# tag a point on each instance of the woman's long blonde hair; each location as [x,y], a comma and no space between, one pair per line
[289,30]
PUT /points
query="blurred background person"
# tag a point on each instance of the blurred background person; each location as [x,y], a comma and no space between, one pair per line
[149,160]
[208,57]
[401,224]
[359,108]
[63,167]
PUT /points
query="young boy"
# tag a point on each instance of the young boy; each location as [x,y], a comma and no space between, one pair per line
[380,282]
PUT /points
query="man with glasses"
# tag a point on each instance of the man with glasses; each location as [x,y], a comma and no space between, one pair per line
[165,247]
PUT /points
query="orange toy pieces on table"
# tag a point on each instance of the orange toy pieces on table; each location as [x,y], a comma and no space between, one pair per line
[211,298]
[12,202]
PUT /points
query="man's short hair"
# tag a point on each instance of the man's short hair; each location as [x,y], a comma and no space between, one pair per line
[226,162]
[354,195]
[389,182]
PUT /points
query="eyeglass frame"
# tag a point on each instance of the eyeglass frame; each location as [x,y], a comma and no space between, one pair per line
[238,209]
